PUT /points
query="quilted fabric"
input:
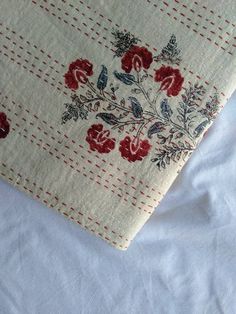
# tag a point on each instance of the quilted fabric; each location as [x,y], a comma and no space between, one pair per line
[101,104]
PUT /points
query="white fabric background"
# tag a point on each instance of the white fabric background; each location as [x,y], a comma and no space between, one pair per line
[182,261]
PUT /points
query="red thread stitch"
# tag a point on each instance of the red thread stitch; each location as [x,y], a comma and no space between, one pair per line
[31,71]
[74,26]
[212,12]
[59,210]
[34,46]
[189,27]
[193,11]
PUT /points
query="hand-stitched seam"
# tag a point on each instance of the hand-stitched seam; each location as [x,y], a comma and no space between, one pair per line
[31,190]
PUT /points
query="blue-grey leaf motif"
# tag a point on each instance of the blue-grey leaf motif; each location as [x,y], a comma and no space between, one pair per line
[125,78]
[108,118]
[136,107]
[157,127]
[102,79]
[200,128]
[165,109]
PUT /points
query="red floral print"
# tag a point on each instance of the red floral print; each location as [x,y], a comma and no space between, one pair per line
[78,72]
[134,149]
[99,139]
[4,125]
[171,80]
[136,58]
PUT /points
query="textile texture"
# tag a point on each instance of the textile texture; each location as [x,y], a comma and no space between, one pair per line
[103,102]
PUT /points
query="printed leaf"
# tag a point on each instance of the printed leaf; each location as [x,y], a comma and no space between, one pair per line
[136,107]
[157,127]
[108,118]
[102,79]
[125,78]
[200,128]
[165,109]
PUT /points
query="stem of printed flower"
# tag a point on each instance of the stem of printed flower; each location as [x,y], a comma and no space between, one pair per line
[124,123]
[104,98]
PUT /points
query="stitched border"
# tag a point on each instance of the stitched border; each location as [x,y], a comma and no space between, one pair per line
[31,191]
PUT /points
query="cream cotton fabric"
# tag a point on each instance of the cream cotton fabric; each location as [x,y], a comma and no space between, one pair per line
[102,102]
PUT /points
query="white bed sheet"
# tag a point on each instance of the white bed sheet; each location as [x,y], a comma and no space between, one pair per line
[182,261]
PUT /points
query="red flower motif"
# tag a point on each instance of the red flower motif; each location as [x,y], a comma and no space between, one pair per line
[134,149]
[79,71]
[171,80]
[99,139]
[4,125]
[136,58]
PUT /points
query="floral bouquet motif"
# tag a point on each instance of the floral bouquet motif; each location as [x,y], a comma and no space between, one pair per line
[147,111]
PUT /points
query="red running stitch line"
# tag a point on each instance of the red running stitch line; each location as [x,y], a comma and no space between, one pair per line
[77,170]
[29,53]
[63,204]
[197,24]
[206,19]
[31,71]
[76,152]
[83,157]
[75,19]
[189,27]
[74,26]
[32,65]
[212,12]
[33,45]
[153,48]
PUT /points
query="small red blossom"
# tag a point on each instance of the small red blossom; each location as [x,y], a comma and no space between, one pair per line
[134,149]
[99,139]
[171,80]
[4,125]
[78,72]
[136,58]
